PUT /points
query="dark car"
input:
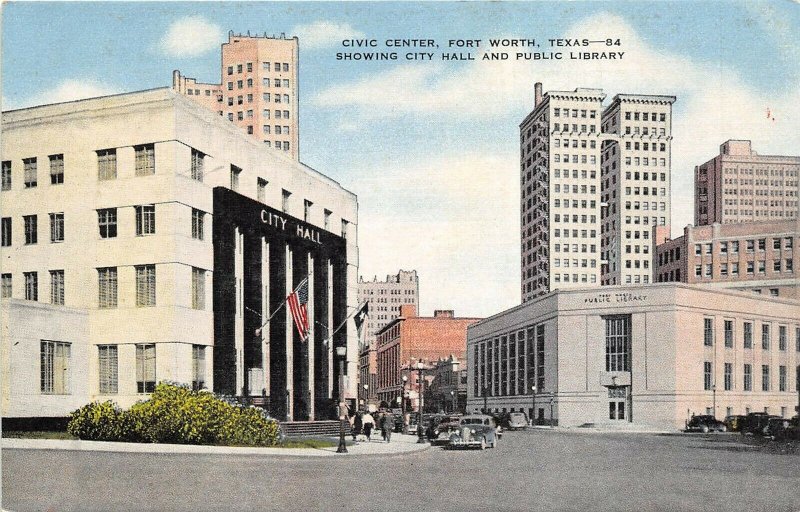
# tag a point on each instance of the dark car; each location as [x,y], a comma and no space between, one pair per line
[475,431]
[441,432]
[705,423]
[776,427]
[734,422]
[754,423]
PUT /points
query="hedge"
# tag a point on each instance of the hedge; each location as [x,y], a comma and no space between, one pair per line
[176,414]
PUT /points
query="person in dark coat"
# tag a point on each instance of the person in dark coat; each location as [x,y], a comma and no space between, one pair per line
[357,425]
[388,426]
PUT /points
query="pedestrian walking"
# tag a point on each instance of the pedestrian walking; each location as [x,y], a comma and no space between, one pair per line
[388,426]
[357,424]
[368,422]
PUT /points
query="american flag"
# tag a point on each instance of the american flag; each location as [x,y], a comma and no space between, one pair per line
[298,305]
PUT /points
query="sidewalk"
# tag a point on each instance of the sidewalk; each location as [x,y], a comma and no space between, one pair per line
[401,444]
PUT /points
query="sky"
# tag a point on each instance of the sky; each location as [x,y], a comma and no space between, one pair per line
[431,147]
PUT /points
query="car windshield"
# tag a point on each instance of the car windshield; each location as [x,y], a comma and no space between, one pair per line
[471,421]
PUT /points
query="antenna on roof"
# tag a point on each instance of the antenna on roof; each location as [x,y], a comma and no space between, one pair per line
[283,35]
[248,33]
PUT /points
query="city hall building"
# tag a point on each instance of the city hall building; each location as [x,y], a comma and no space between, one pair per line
[652,355]
[146,239]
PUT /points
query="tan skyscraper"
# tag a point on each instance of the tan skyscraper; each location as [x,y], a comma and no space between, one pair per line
[257,90]
[739,185]
[560,181]
[636,156]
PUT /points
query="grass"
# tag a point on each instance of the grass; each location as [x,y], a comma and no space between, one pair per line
[299,443]
[37,434]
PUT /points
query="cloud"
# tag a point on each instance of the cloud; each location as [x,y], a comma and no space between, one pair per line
[714,103]
[191,36]
[323,34]
[67,90]
[451,216]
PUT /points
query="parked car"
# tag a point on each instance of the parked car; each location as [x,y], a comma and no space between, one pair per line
[517,421]
[475,431]
[734,422]
[412,425]
[705,423]
[754,423]
[775,427]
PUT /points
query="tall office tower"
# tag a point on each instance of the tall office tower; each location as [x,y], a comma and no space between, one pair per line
[636,155]
[739,185]
[560,144]
[257,90]
[385,299]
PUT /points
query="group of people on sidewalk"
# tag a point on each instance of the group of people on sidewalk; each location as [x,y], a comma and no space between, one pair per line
[364,423]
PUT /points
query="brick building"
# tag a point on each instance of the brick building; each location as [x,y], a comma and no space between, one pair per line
[410,338]
[257,90]
[756,256]
[739,185]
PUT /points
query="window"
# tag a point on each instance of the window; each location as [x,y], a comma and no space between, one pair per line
[198,288]
[107,287]
[781,378]
[748,335]
[707,376]
[56,227]
[55,357]
[198,367]
[107,164]
[764,377]
[145,159]
[748,377]
[107,222]
[108,369]
[262,190]
[765,336]
[285,195]
[344,228]
[6,175]
[728,333]
[782,336]
[6,288]
[197,224]
[145,368]
[29,178]
[31,229]
[327,226]
[235,172]
[6,229]
[198,159]
[728,376]
[618,344]
[57,287]
[307,209]
[145,220]
[31,285]
[145,285]
[56,169]
[708,332]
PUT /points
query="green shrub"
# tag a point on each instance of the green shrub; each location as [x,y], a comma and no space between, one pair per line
[176,414]
[99,421]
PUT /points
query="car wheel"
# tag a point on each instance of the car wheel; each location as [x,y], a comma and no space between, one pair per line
[483,443]
[723,428]
[704,429]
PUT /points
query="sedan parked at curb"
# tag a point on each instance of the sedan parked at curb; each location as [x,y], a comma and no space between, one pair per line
[705,423]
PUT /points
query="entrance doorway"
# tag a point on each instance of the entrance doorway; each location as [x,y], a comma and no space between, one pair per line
[617,403]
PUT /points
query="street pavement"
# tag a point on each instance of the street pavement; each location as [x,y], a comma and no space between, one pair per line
[547,470]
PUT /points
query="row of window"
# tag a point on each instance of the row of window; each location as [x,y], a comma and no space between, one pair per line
[276,82]
[267,97]
[32,286]
[706,248]
[30,177]
[31,228]
[747,329]
[266,66]
[706,270]
[511,364]
[747,377]
[56,368]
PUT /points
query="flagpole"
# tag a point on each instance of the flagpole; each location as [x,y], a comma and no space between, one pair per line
[356,310]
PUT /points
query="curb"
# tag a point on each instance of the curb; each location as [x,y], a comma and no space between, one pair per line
[116,447]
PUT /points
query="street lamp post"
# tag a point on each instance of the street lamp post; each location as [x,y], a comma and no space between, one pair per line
[485,400]
[420,434]
[714,398]
[341,352]
[453,397]
[403,398]
[533,409]
[366,397]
